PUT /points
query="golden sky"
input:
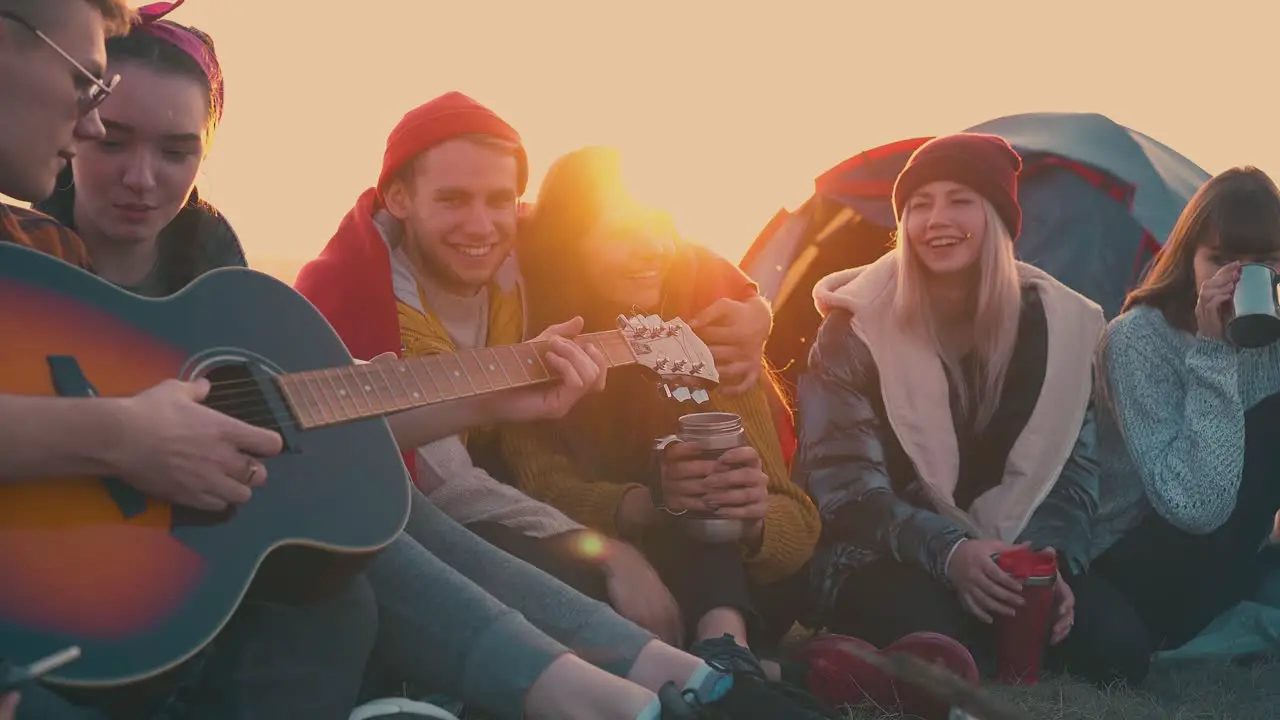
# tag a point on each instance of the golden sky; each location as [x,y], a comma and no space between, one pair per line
[724,113]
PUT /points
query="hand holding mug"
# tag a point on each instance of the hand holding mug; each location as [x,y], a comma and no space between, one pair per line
[1214,300]
[734,486]
[1064,602]
[985,590]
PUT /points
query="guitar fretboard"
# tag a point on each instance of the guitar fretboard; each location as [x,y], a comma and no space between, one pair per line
[343,394]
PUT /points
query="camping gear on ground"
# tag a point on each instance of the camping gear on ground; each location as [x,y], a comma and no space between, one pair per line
[1098,201]
[1256,321]
[852,677]
[1021,640]
[714,433]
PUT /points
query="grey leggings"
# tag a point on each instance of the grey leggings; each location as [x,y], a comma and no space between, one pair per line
[459,615]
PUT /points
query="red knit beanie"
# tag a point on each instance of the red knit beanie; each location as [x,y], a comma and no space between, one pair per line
[449,116]
[985,163]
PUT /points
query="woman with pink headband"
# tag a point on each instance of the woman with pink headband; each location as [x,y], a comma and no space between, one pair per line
[131,195]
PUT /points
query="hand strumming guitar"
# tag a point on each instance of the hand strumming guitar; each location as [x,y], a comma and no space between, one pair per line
[172,448]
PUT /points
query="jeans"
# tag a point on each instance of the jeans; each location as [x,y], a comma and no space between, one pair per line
[270,662]
[700,576]
[885,600]
[460,616]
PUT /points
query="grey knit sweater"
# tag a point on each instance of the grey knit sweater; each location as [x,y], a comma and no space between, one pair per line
[1174,438]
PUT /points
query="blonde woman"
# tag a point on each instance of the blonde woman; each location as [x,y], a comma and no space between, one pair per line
[947,416]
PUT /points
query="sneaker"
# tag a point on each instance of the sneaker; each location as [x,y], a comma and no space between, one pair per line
[838,676]
[751,694]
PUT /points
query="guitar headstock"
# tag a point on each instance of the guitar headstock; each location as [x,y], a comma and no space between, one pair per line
[672,351]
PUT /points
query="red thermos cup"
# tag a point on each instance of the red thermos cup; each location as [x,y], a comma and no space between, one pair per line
[1021,640]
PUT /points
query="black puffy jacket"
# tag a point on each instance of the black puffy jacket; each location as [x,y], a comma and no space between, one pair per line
[873,502]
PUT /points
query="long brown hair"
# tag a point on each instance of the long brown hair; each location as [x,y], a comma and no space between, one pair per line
[574,194]
[1237,211]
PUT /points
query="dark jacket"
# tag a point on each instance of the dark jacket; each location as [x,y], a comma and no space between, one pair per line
[874,503]
[198,240]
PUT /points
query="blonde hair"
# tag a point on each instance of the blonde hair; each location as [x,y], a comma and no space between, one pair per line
[995,326]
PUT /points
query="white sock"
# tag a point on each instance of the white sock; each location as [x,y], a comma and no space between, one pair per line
[709,684]
[652,711]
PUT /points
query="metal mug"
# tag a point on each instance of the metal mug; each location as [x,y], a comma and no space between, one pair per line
[714,433]
[1256,320]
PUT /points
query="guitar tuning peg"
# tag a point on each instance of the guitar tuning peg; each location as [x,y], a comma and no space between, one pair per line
[697,368]
[701,396]
[678,366]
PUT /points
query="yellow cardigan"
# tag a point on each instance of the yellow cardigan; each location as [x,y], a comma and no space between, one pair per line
[422,333]
[791,525]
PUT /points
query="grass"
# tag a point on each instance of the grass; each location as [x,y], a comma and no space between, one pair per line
[1190,692]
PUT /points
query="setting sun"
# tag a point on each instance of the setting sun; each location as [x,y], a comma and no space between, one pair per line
[723,113]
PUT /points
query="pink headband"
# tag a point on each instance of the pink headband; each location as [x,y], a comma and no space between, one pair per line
[148,22]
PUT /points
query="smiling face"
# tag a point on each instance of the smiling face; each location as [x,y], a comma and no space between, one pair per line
[626,255]
[946,224]
[459,208]
[131,183]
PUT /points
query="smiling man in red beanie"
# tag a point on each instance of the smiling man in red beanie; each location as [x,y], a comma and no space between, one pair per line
[423,265]
[419,267]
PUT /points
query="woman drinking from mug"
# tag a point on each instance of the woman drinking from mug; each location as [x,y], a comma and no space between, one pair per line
[592,251]
[946,418]
[1199,417]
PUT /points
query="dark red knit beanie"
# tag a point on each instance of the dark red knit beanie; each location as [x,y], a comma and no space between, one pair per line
[449,116]
[986,163]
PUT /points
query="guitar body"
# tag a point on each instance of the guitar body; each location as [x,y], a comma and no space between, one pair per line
[138,584]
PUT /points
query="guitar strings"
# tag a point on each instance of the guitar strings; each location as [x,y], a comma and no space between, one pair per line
[336,381]
[333,411]
[246,393]
[319,373]
[240,393]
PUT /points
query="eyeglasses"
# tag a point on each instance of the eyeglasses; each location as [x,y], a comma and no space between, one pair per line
[97,91]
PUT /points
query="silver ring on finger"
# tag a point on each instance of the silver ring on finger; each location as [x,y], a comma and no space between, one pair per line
[251,472]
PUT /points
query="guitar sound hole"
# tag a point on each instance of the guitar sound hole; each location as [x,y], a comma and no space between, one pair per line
[238,391]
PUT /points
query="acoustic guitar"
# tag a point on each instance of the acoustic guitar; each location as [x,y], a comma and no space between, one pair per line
[140,585]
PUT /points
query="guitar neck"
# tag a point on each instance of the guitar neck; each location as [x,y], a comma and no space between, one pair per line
[332,396]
